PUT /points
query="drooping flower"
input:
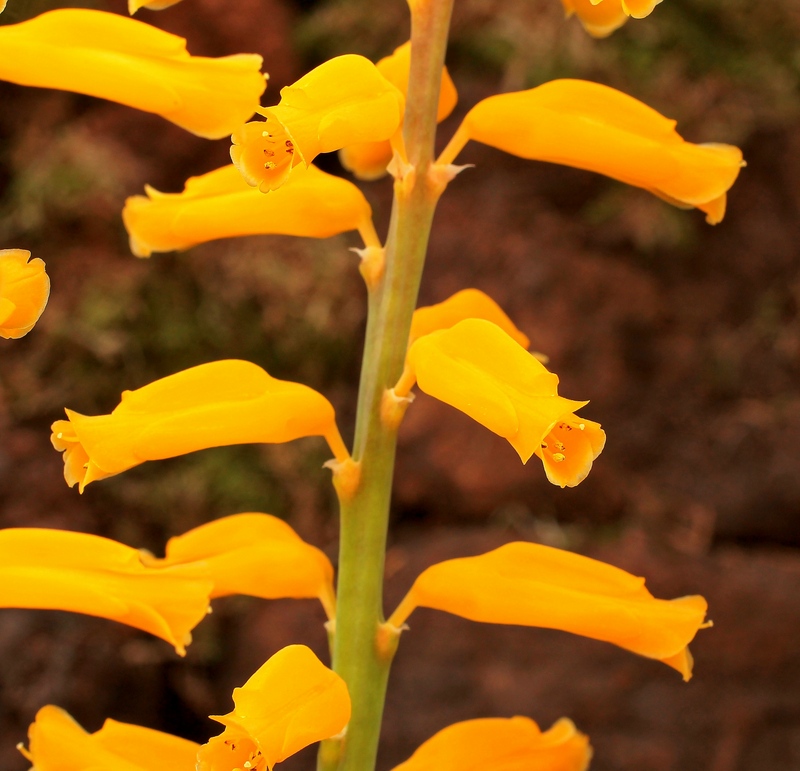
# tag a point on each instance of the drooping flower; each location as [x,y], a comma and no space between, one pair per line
[292,701]
[24,290]
[368,160]
[601,17]
[479,369]
[502,744]
[342,102]
[597,128]
[221,204]
[534,585]
[211,405]
[59,570]
[466,304]
[58,743]
[255,554]
[127,61]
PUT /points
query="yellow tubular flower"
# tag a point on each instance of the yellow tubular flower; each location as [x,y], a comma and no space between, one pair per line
[59,570]
[369,160]
[342,102]
[255,554]
[126,61]
[503,744]
[601,17]
[24,290]
[290,702]
[221,204]
[2,5]
[533,585]
[212,405]
[597,128]
[58,743]
[477,368]
[466,304]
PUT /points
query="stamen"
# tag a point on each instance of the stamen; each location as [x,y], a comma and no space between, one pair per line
[270,165]
[559,456]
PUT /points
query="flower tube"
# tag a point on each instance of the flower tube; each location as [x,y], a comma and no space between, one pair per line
[502,744]
[221,204]
[342,102]
[368,160]
[127,61]
[292,701]
[597,128]
[254,554]
[59,570]
[58,743]
[479,369]
[533,585]
[212,405]
[24,291]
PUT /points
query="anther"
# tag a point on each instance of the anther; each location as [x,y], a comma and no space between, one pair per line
[270,165]
[559,456]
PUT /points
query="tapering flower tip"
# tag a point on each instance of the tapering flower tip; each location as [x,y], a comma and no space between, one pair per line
[505,744]
[221,204]
[290,702]
[344,101]
[369,160]
[59,570]
[117,58]
[212,405]
[24,290]
[151,5]
[533,585]
[58,743]
[255,554]
[466,304]
[479,369]
[597,128]
[602,17]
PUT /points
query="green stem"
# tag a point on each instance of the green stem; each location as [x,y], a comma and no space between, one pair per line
[363,649]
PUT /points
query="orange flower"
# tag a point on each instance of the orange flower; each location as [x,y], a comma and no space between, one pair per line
[58,743]
[342,102]
[212,405]
[534,585]
[126,61]
[221,204]
[593,127]
[254,554]
[601,17]
[368,160]
[24,290]
[290,702]
[503,744]
[479,369]
[59,570]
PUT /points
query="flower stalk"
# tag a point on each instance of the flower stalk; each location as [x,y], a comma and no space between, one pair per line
[362,650]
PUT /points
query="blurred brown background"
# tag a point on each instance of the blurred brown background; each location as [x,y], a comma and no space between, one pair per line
[685,337]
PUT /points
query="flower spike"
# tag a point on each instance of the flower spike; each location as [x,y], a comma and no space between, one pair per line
[368,160]
[57,742]
[59,570]
[597,128]
[212,405]
[479,369]
[533,585]
[24,291]
[503,744]
[254,554]
[221,204]
[127,61]
[290,702]
[342,102]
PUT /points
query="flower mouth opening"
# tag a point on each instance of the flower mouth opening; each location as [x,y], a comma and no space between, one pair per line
[264,152]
